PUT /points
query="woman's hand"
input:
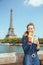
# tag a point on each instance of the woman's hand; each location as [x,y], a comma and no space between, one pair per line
[30,38]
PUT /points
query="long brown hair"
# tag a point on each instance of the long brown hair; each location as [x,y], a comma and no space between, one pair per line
[26,34]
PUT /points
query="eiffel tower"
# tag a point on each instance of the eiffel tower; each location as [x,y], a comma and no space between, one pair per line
[11,29]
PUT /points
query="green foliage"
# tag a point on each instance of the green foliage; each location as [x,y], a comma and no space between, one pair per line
[12,40]
[41,40]
[16,40]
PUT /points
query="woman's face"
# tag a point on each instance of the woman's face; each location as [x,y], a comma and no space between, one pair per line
[30,29]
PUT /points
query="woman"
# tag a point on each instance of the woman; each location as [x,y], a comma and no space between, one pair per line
[30,46]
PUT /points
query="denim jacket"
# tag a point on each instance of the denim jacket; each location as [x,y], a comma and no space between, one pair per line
[28,48]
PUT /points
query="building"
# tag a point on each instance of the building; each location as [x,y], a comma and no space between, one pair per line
[11,33]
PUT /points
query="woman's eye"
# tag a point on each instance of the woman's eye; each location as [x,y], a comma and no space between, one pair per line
[31,28]
[28,28]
